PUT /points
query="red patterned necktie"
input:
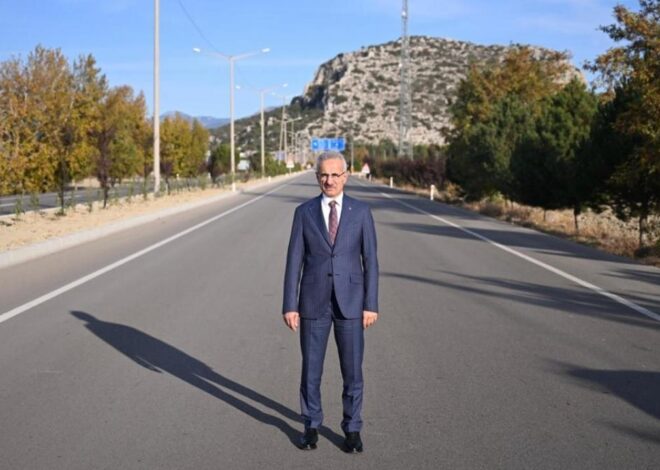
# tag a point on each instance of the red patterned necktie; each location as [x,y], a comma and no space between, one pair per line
[332,222]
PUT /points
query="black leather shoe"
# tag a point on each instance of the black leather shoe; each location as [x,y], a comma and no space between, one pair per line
[309,439]
[352,443]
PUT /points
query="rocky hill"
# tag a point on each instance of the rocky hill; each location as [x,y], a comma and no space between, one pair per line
[358,93]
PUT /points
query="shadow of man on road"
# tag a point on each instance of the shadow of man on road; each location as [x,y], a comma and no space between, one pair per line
[158,356]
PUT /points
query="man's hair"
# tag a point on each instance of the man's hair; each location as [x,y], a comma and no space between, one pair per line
[330,156]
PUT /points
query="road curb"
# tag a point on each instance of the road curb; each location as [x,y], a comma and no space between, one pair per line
[37,250]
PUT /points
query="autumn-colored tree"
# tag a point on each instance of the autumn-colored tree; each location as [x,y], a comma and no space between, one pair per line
[175,141]
[73,141]
[58,123]
[634,68]
[492,110]
[35,97]
[117,137]
[631,112]
[90,88]
[145,137]
[360,155]
[16,137]
[128,146]
[199,146]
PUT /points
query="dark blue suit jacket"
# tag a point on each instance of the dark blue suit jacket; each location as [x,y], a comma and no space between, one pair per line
[314,267]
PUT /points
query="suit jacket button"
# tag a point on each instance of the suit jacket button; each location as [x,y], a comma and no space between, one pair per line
[329,274]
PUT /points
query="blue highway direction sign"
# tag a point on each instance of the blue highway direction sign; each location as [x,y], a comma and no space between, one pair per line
[319,144]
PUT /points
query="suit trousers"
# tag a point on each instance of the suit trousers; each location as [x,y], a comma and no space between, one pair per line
[349,336]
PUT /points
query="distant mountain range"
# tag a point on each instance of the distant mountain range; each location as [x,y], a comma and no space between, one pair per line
[209,122]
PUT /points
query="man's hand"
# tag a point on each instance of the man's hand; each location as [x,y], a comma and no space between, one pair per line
[292,320]
[368,318]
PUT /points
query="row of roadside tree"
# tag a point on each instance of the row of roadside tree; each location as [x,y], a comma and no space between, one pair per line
[61,122]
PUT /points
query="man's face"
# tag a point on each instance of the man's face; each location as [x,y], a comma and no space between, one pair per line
[331,184]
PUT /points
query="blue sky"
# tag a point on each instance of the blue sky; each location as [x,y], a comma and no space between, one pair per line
[302,34]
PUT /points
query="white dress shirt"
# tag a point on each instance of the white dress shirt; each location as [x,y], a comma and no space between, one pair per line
[325,207]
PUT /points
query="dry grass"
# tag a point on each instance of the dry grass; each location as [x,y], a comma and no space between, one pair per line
[34,227]
[603,231]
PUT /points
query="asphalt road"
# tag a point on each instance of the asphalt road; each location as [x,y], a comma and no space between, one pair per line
[497,352]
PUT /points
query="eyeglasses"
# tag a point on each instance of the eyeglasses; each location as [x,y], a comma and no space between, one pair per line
[326,176]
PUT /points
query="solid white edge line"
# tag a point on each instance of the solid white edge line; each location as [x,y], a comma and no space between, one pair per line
[637,308]
[44,298]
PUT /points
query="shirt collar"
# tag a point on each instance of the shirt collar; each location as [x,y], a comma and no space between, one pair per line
[339,199]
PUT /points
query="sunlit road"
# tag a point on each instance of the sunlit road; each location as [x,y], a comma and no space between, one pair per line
[512,351]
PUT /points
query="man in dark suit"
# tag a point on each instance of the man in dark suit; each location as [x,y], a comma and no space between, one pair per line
[331,278]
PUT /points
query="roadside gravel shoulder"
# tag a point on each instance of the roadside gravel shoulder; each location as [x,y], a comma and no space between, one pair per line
[37,234]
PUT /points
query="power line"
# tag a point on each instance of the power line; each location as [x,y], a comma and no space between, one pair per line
[206,39]
[199,30]
[242,78]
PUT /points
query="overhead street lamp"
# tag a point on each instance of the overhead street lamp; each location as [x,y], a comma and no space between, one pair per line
[156,98]
[231,59]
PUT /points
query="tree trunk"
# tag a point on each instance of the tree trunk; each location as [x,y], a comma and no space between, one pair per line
[62,187]
[576,213]
[60,196]
[106,190]
[642,230]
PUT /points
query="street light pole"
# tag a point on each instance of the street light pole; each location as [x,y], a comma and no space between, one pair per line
[286,134]
[294,141]
[231,124]
[156,98]
[232,59]
[283,127]
[262,92]
[352,157]
[263,136]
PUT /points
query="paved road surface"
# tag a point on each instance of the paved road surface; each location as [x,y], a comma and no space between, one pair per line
[178,358]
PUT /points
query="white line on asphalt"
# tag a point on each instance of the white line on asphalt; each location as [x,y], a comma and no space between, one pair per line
[637,308]
[72,285]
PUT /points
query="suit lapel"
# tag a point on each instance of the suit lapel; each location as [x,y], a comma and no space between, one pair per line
[346,218]
[317,216]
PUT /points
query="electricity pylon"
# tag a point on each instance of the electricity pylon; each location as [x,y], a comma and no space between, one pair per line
[405,105]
